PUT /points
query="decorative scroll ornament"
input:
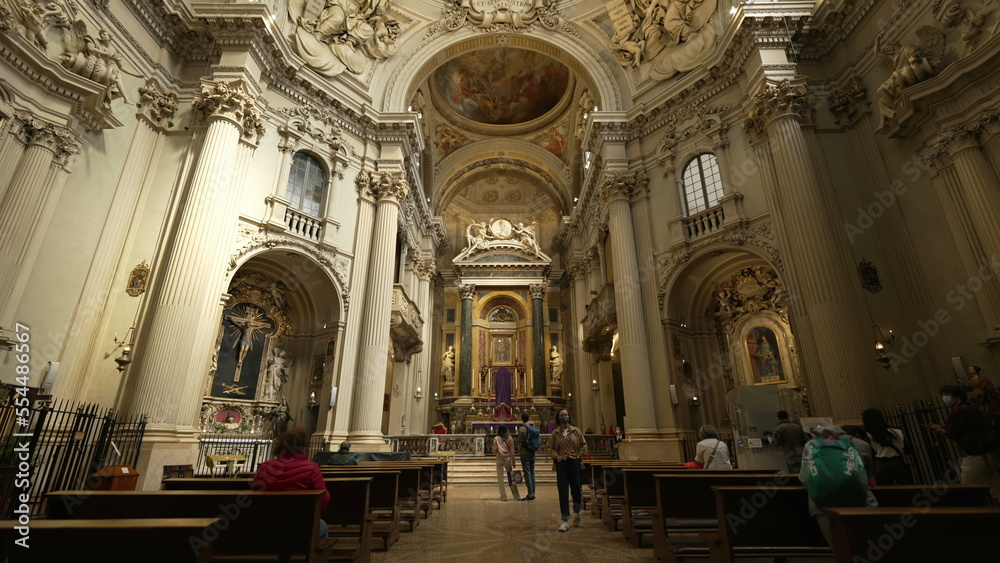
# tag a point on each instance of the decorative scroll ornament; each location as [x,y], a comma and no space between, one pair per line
[667,37]
[748,292]
[157,106]
[849,103]
[500,15]
[337,35]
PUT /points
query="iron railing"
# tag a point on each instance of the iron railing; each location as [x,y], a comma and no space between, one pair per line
[932,457]
[66,443]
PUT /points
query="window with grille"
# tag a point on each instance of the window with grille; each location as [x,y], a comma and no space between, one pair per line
[306,184]
[702,183]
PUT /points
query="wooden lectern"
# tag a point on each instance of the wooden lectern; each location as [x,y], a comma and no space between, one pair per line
[115,478]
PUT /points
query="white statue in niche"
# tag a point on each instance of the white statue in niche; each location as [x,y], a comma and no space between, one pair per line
[672,36]
[448,364]
[279,361]
[556,364]
[337,35]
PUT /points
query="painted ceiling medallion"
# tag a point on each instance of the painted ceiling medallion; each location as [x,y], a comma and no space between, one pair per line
[501,86]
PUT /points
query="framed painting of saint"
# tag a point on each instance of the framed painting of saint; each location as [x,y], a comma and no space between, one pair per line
[764,355]
[502,349]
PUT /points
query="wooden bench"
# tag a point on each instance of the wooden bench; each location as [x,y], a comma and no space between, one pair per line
[408,492]
[383,503]
[614,486]
[152,540]
[254,523]
[897,534]
[424,493]
[685,504]
[206,484]
[347,515]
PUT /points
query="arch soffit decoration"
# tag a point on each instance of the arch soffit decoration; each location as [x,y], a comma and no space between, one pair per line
[496,299]
[571,49]
[529,159]
[714,265]
[337,279]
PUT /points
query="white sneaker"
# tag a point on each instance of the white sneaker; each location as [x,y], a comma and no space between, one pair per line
[564,526]
[576,519]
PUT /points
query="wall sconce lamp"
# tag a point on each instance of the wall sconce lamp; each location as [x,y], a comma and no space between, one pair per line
[312,399]
[694,401]
[595,386]
[126,345]
[882,355]
[419,394]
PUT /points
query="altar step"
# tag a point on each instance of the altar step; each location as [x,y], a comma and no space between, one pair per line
[483,471]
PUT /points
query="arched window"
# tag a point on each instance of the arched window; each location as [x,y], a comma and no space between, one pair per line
[702,183]
[306,184]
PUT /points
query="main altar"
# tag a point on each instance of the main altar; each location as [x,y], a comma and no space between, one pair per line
[502,334]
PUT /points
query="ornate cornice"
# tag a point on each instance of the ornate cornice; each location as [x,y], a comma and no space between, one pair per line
[833,22]
[499,17]
[156,106]
[788,98]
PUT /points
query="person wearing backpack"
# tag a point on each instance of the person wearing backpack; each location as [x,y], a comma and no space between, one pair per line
[965,426]
[890,465]
[528,437]
[834,475]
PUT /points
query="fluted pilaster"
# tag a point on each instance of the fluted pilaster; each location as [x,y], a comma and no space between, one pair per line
[586,411]
[827,310]
[366,426]
[28,204]
[155,109]
[467,292]
[173,352]
[365,184]
[618,190]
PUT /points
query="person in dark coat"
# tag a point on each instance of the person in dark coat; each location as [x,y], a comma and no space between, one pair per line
[790,437]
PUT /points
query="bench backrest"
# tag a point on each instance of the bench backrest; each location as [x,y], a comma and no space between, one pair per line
[206,484]
[689,495]
[349,503]
[384,491]
[932,495]
[290,518]
[766,516]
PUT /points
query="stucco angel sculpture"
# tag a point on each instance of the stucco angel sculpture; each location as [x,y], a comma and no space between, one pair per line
[344,34]
[666,36]
[97,60]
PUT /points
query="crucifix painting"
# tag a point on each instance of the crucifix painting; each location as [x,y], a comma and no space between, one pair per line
[245,331]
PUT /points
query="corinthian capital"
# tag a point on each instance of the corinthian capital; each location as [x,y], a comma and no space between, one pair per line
[622,185]
[788,98]
[229,100]
[157,106]
[389,188]
[467,291]
[36,132]
[849,103]
[537,290]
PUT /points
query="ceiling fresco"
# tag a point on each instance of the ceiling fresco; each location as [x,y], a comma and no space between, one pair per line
[501,86]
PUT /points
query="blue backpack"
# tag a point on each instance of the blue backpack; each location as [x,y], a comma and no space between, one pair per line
[532,440]
[832,471]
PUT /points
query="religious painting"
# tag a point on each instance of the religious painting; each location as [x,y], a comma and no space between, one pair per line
[553,139]
[137,280]
[869,276]
[502,349]
[501,85]
[447,139]
[764,355]
[246,329]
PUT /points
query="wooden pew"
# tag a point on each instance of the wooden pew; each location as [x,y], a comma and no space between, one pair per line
[290,518]
[932,495]
[685,503]
[897,534]
[347,515]
[409,486]
[614,486]
[425,488]
[383,502]
[206,484]
[152,540]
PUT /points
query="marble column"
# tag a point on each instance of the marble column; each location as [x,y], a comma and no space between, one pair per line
[185,309]
[467,291]
[617,191]
[814,240]
[346,376]
[28,204]
[425,273]
[538,338]
[366,425]
[155,112]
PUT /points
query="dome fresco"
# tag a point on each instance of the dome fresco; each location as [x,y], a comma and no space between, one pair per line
[501,86]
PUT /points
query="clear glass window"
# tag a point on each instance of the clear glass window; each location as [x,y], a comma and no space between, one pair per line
[306,184]
[702,183]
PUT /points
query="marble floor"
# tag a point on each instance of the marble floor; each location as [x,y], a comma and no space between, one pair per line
[476,526]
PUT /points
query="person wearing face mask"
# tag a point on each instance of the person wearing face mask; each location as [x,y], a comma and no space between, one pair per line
[567,447]
[964,427]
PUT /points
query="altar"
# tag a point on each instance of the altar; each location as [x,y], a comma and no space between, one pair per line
[491,427]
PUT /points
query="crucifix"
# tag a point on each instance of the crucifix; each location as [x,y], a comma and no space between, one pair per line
[250,324]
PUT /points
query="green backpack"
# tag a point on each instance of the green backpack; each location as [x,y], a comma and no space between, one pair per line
[832,471]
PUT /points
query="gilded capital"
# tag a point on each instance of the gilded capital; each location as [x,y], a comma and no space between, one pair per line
[467,291]
[788,98]
[538,290]
[229,100]
[157,106]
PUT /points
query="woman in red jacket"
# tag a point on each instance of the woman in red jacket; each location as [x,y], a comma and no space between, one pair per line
[291,471]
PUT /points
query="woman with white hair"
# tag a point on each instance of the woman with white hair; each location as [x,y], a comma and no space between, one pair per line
[711,452]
